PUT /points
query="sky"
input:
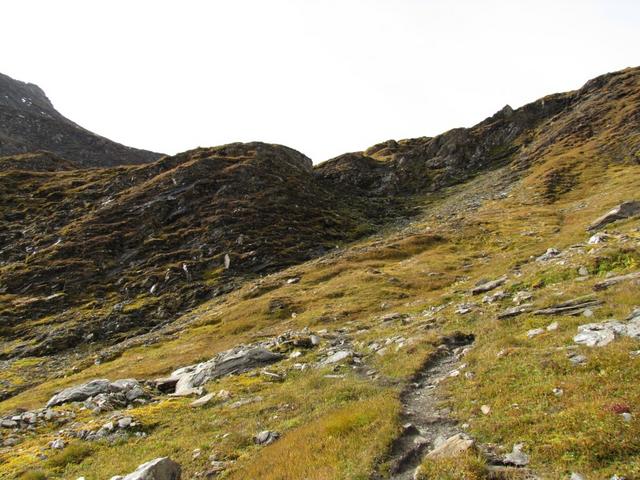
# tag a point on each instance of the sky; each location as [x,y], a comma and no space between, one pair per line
[324,77]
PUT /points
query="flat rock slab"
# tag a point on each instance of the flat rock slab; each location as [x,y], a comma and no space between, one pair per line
[515,311]
[570,307]
[609,282]
[488,286]
[622,211]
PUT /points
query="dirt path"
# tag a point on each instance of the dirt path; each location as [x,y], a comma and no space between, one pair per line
[425,421]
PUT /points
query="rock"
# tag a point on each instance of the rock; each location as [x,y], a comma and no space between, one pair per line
[390,317]
[548,255]
[8,423]
[465,308]
[485,409]
[29,417]
[578,359]
[496,296]
[626,416]
[80,393]
[135,393]
[598,238]
[158,469]
[227,261]
[521,297]
[58,444]
[202,400]
[124,384]
[517,457]
[266,437]
[103,391]
[558,392]
[570,307]
[125,422]
[582,271]
[576,476]
[599,334]
[535,332]
[515,311]
[245,401]
[315,340]
[337,357]
[622,211]
[224,395]
[166,385]
[552,327]
[615,280]
[452,447]
[190,379]
[217,467]
[488,286]
[293,280]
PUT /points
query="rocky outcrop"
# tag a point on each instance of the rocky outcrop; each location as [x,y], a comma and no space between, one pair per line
[189,380]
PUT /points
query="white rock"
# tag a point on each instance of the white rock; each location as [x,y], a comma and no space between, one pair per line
[158,469]
[485,409]
[338,357]
[125,422]
[599,334]
[58,444]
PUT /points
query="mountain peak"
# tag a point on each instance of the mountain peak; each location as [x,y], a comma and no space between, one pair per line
[29,122]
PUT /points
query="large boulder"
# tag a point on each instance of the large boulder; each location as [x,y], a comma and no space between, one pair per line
[129,388]
[162,468]
[189,380]
[622,211]
[80,392]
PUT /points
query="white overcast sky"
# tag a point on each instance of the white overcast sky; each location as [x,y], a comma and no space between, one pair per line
[321,76]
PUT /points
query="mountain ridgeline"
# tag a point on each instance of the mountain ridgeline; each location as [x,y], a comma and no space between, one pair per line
[29,123]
